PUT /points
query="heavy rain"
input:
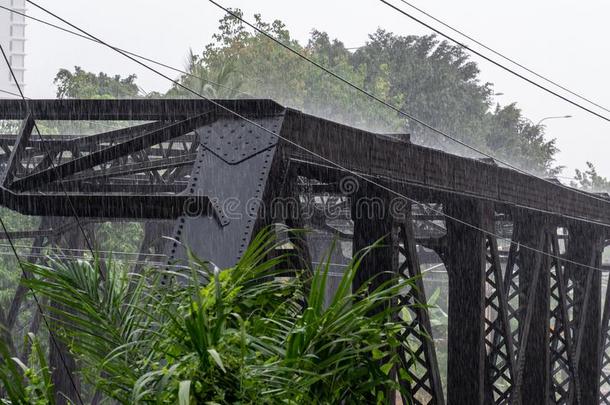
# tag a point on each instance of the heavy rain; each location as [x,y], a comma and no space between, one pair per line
[232,202]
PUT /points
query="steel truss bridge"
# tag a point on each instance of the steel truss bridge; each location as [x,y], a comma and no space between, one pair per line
[528,319]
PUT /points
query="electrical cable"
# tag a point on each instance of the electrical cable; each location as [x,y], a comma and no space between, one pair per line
[503,56]
[336,165]
[394,108]
[79,257]
[128,52]
[498,64]
[106,252]
[109,252]
[49,155]
[9,93]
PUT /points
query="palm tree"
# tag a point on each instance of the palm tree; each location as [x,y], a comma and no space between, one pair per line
[208,82]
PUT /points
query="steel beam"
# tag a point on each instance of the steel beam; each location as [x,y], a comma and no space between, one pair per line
[395,163]
[21,143]
[532,379]
[373,224]
[158,164]
[585,246]
[603,361]
[98,205]
[500,362]
[130,110]
[564,387]
[466,264]
[131,145]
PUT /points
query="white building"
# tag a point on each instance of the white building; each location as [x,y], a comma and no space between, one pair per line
[12,38]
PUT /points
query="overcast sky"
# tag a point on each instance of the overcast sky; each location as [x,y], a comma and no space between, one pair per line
[565,40]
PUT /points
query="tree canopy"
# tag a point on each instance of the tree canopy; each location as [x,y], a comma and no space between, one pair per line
[589,180]
[82,84]
[430,79]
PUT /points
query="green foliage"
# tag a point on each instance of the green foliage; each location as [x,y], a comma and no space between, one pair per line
[120,236]
[10,272]
[203,81]
[428,78]
[25,384]
[9,269]
[438,317]
[431,79]
[248,334]
[82,84]
[265,70]
[590,180]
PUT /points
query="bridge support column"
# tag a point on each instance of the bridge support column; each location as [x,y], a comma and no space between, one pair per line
[372,222]
[532,382]
[603,364]
[378,215]
[466,264]
[585,246]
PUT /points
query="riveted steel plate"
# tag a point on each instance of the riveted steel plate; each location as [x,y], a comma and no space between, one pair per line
[234,140]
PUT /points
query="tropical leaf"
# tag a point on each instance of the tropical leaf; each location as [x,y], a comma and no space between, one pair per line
[246,334]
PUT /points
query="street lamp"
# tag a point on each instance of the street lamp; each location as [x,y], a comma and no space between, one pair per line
[551,118]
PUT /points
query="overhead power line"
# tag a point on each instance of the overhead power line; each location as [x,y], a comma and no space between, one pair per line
[498,64]
[113,253]
[393,107]
[329,161]
[9,93]
[72,256]
[497,53]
